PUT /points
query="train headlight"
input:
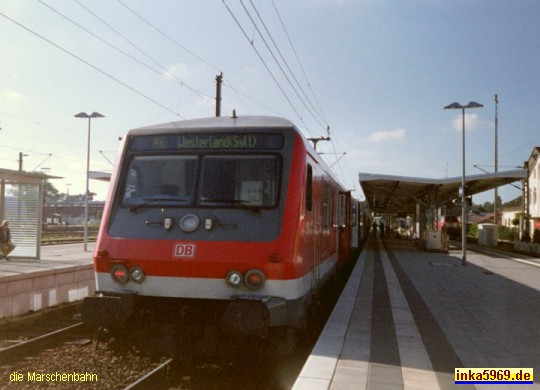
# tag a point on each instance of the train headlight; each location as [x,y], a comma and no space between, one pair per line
[136,274]
[119,273]
[189,223]
[254,279]
[234,279]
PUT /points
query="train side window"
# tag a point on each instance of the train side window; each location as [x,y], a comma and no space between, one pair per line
[342,210]
[309,188]
[326,207]
[354,214]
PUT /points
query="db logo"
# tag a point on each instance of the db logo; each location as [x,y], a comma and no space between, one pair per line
[184,250]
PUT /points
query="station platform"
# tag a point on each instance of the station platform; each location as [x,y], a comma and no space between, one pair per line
[64,273]
[407,318]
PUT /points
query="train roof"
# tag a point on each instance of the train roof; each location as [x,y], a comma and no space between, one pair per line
[218,123]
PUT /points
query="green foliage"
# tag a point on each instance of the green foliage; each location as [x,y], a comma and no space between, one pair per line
[506,233]
[472,230]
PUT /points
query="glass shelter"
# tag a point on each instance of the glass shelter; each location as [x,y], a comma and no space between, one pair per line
[21,203]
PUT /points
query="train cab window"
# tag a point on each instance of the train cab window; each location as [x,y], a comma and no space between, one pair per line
[168,179]
[239,181]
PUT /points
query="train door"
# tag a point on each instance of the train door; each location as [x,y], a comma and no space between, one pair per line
[343,226]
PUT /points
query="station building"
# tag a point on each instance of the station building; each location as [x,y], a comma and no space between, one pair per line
[532,202]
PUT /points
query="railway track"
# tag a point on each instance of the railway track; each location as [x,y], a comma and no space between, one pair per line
[74,353]
[67,357]
[69,236]
[20,329]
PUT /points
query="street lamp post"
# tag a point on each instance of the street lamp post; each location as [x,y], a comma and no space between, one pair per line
[463,192]
[85,115]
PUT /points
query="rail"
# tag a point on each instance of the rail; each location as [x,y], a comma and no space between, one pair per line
[154,379]
[36,343]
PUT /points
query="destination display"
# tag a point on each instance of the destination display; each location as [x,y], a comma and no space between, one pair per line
[209,141]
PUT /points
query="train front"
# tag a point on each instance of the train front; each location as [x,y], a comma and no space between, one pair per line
[201,226]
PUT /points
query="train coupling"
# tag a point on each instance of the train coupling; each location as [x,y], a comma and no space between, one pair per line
[107,309]
[254,314]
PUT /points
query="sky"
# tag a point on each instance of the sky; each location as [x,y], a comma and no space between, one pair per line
[377,73]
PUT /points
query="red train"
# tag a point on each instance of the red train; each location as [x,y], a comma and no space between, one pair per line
[232,221]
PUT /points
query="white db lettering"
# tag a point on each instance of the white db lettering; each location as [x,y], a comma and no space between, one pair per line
[184,250]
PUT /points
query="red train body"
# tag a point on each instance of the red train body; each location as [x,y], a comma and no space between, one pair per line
[232,220]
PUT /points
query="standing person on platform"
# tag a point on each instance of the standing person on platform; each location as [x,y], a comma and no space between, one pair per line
[6,246]
[381,227]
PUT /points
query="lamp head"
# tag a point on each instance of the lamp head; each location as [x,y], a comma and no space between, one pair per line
[453,106]
[474,105]
[85,115]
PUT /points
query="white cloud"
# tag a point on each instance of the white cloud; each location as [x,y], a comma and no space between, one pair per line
[10,94]
[205,101]
[177,71]
[472,122]
[381,136]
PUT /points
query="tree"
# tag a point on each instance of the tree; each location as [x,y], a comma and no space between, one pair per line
[51,193]
[487,206]
[53,196]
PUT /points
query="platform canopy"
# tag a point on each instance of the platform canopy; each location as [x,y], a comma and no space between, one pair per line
[101,176]
[25,177]
[399,194]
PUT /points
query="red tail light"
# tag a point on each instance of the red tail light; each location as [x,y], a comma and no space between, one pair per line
[254,279]
[119,273]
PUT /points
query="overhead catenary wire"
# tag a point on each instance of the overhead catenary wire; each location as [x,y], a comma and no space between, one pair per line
[299,62]
[169,37]
[319,117]
[227,81]
[313,109]
[148,56]
[90,65]
[262,60]
[146,21]
[280,67]
[162,72]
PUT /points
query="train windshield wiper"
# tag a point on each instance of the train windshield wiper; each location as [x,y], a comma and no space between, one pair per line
[165,198]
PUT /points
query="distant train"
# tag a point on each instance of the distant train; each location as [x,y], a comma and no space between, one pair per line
[235,222]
